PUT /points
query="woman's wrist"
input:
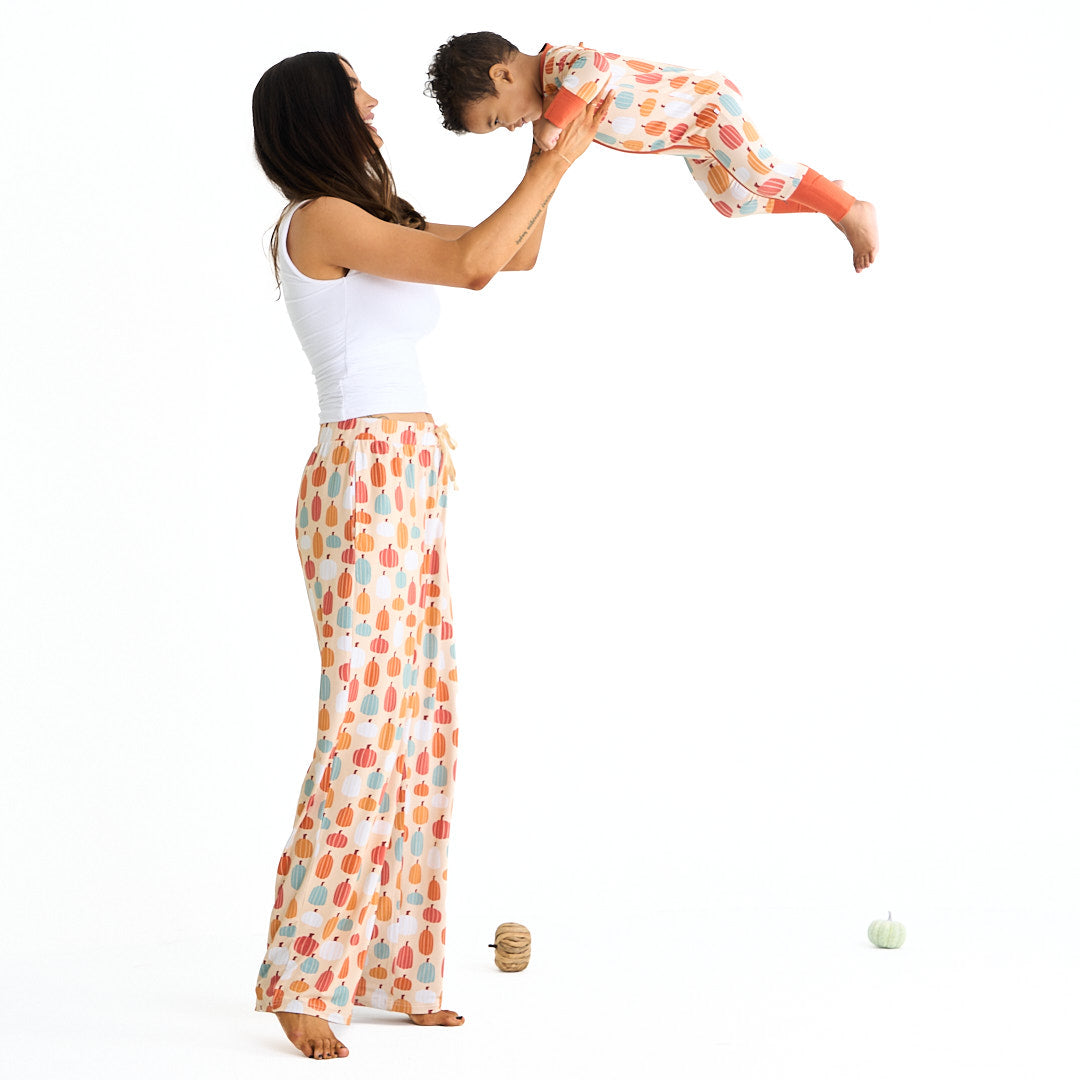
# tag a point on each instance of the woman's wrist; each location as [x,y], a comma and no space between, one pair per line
[553,160]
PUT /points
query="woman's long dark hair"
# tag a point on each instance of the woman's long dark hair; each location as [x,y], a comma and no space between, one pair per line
[310,141]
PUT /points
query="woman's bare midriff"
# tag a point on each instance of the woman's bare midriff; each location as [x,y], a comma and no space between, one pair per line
[412,417]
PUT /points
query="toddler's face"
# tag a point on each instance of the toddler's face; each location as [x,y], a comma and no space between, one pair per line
[513,104]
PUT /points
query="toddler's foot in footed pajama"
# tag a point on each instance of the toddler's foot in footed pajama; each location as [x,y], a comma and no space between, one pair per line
[859,225]
[311,1035]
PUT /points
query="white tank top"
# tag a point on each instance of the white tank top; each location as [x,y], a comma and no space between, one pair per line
[359,333]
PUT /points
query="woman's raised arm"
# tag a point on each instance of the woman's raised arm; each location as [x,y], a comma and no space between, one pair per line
[525,258]
[335,233]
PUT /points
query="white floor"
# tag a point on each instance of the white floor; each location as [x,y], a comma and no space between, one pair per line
[742,994]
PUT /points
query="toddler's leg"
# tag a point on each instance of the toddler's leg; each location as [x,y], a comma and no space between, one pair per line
[740,174]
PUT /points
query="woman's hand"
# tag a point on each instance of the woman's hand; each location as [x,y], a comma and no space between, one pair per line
[581,131]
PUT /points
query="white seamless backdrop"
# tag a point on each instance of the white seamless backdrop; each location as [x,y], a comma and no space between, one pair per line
[764,572]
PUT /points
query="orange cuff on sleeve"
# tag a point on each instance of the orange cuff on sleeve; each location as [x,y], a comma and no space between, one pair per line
[564,107]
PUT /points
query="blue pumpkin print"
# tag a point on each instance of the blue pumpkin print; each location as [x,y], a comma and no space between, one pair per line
[729,104]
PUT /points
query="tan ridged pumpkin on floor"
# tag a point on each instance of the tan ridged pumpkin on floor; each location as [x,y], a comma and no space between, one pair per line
[512,946]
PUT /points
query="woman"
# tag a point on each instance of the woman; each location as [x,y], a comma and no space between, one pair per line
[359,900]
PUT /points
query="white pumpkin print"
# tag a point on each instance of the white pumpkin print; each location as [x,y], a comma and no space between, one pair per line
[325,438]
[623,125]
[786,168]
[278,955]
[393,932]
[290,967]
[676,110]
[571,82]
[434,858]
[342,643]
[407,924]
[350,499]
[363,829]
[328,569]
[331,950]
[382,827]
[399,633]
[305,541]
[424,997]
[379,999]
[373,884]
[617,72]
[433,529]
[341,701]
[382,587]
[439,801]
[352,785]
[293,1006]
[359,653]
[424,728]
[384,528]
[412,559]
[367,727]
[312,919]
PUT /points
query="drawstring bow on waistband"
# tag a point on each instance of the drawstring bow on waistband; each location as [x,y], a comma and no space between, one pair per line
[445,444]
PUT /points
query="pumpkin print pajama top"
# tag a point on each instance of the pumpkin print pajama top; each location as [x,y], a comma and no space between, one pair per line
[695,114]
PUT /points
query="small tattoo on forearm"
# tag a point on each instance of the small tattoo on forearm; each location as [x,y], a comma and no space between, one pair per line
[532,222]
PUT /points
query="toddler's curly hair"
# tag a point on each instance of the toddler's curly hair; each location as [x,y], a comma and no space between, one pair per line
[458,74]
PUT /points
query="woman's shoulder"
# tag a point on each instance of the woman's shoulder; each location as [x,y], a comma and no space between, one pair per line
[328,208]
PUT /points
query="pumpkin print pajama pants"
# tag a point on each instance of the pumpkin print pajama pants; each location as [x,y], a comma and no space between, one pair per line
[358,915]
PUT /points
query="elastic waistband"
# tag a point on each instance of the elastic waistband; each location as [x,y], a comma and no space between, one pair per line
[406,434]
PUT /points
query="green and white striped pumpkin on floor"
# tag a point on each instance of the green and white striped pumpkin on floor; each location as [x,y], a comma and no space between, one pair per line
[886,934]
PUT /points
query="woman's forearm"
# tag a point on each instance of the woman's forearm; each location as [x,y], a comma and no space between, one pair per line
[525,259]
[517,224]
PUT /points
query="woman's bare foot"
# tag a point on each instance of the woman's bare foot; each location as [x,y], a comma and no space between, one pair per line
[859,225]
[443,1018]
[311,1035]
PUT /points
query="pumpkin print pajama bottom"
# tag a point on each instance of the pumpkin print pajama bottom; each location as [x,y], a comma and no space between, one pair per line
[740,176]
[358,916]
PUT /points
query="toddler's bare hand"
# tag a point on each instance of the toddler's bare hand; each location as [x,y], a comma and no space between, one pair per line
[545,134]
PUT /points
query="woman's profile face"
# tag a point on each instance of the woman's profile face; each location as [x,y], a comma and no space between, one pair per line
[365,103]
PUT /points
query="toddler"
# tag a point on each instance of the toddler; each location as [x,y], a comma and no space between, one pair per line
[482,82]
